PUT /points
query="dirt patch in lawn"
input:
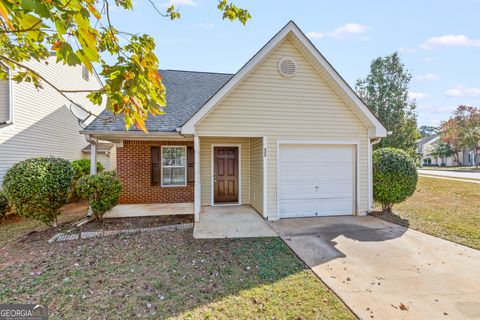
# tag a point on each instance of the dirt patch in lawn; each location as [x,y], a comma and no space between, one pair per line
[166,275]
[136,222]
[17,229]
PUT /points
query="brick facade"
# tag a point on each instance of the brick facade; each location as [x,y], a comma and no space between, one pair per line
[134,170]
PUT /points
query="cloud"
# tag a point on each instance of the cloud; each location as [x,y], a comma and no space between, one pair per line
[179,3]
[431,115]
[315,35]
[427,59]
[207,26]
[342,32]
[417,95]
[463,92]
[450,40]
[427,77]
[348,29]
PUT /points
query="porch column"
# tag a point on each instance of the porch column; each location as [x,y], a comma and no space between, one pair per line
[93,165]
[198,191]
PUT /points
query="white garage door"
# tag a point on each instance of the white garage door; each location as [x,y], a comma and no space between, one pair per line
[316,180]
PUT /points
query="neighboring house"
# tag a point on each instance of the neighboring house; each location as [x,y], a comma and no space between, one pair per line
[38,122]
[427,145]
[285,135]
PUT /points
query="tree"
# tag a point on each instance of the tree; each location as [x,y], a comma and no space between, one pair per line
[385,92]
[426,131]
[81,32]
[450,134]
[468,118]
[442,150]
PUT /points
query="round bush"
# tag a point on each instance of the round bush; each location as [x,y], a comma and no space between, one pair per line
[102,191]
[39,187]
[81,168]
[4,207]
[394,177]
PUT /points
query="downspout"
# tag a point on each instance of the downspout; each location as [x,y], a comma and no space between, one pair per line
[93,162]
[370,171]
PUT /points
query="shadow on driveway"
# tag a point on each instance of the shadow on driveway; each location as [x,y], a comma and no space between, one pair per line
[315,237]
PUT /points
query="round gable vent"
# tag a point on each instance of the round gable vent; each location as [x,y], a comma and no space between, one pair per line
[287,67]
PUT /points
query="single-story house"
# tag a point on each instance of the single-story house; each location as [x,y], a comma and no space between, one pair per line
[285,135]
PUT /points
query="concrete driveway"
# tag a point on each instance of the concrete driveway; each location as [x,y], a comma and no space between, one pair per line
[384,271]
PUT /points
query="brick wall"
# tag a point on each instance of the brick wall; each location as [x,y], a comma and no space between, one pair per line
[133,169]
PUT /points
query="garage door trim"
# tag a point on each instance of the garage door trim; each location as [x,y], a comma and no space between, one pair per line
[354,143]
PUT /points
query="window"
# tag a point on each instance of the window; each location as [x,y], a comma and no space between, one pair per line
[5,102]
[85,73]
[172,166]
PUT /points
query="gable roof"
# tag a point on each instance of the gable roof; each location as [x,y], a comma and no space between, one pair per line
[186,92]
[427,140]
[291,30]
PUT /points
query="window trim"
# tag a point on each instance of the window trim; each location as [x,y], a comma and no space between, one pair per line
[9,122]
[161,167]
[85,73]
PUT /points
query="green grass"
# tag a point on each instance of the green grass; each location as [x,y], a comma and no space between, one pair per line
[165,275]
[447,209]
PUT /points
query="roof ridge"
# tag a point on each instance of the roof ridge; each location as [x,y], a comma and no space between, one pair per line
[193,71]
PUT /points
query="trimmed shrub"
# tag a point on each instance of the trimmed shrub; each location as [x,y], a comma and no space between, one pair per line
[101,190]
[81,168]
[37,188]
[4,207]
[394,177]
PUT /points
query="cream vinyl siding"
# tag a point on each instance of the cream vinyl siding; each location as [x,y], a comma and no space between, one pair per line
[42,122]
[256,174]
[303,107]
[206,166]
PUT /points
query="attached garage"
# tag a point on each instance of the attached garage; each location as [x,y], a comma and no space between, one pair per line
[316,179]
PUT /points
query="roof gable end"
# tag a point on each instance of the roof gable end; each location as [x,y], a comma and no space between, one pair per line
[291,30]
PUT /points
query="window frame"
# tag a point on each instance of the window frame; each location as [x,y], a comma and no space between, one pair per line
[10,98]
[185,167]
[85,73]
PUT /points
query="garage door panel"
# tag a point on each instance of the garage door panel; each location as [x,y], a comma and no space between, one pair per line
[316,180]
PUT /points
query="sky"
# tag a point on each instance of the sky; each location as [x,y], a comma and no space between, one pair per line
[439,41]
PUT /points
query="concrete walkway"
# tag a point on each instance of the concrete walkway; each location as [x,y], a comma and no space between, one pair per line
[451,174]
[384,271]
[231,222]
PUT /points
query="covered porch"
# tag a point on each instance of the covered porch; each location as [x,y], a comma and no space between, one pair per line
[220,176]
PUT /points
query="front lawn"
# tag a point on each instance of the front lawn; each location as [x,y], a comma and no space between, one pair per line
[444,208]
[165,275]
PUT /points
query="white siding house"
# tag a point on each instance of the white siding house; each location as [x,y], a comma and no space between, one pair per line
[38,122]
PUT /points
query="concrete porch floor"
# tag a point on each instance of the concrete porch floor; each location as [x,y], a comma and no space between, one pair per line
[231,222]
[149,209]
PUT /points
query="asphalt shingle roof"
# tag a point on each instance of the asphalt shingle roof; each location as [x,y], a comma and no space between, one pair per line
[187,92]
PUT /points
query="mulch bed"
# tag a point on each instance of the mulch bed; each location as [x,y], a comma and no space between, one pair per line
[390,217]
[72,213]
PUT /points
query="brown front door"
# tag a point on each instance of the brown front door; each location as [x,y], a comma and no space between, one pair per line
[225,174]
